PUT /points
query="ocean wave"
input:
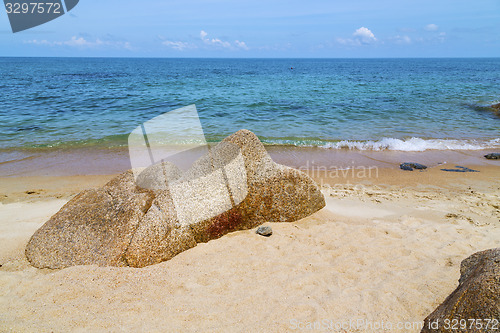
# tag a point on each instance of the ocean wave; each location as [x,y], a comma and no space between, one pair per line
[414,144]
[384,144]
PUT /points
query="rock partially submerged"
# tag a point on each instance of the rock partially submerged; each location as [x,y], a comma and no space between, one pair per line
[409,166]
[496,108]
[123,224]
[476,299]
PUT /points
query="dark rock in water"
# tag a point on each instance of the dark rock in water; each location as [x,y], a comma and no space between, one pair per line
[409,166]
[476,300]
[264,231]
[149,219]
[460,169]
[493,156]
[496,109]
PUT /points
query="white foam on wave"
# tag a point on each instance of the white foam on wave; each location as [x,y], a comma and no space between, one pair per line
[414,144]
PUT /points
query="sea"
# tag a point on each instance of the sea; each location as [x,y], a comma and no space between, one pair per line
[49,104]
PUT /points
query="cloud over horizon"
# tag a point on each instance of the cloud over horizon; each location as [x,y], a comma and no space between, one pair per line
[81,42]
[178,45]
[362,36]
[206,42]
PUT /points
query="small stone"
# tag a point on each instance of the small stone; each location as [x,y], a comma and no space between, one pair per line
[264,231]
[409,166]
[493,156]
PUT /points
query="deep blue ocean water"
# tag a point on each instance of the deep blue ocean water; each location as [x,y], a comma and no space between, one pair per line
[405,104]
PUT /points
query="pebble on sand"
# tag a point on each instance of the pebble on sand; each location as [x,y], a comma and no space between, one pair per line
[409,166]
[264,231]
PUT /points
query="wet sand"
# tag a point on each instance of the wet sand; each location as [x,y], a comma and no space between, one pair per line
[106,161]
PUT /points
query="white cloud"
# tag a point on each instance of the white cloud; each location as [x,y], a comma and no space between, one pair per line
[37,42]
[433,39]
[81,42]
[361,36]
[241,45]
[365,35]
[402,39]
[431,27]
[179,46]
[213,41]
[216,42]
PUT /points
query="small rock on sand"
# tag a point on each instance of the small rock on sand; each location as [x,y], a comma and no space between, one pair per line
[409,166]
[264,231]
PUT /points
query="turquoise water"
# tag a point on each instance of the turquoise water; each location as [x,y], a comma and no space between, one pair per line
[401,104]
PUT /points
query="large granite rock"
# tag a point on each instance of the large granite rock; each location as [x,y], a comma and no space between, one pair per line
[139,221]
[476,299]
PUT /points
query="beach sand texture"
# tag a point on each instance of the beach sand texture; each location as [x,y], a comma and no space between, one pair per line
[383,251]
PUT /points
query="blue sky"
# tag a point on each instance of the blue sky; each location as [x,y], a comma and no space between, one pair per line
[257,28]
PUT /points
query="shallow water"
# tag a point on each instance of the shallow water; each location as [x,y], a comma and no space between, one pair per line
[362,104]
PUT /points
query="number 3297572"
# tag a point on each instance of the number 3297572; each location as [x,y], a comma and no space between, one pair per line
[33,8]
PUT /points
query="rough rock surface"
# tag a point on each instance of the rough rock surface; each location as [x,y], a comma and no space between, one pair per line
[123,224]
[477,297]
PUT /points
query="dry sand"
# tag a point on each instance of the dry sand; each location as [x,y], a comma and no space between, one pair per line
[384,252]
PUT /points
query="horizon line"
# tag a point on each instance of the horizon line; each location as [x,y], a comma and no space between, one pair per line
[245,58]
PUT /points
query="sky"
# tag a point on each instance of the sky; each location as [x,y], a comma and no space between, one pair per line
[264,29]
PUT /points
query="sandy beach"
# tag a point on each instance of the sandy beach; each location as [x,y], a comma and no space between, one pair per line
[382,254]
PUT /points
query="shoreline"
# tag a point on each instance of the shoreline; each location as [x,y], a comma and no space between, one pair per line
[62,174]
[102,161]
[36,188]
